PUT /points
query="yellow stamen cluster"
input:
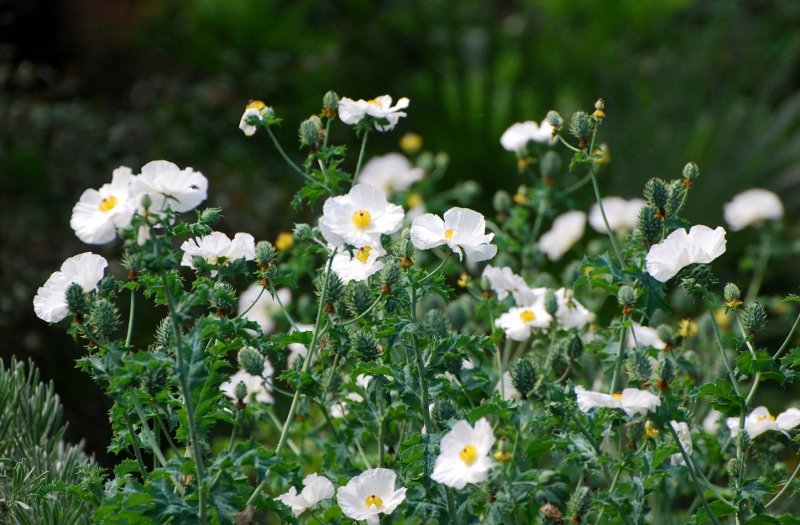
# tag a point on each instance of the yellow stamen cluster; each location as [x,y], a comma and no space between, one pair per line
[448,234]
[107,204]
[499,455]
[256,104]
[650,430]
[463,279]
[688,328]
[617,396]
[373,500]
[762,418]
[527,316]
[363,254]
[362,218]
[468,454]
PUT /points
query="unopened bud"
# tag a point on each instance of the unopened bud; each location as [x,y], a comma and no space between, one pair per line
[501,201]
[580,125]
[240,391]
[523,376]
[734,468]
[754,318]
[626,297]
[503,452]
[579,504]
[666,334]
[311,133]
[436,324]
[639,365]
[731,295]
[665,373]
[265,254]
[147,201]
[550,165]
[550,302]
[648,226]
[554,119]
[77,303]
[443,410]
[362,299]
[575,347]
[104,318]
[303,232]
[691,171]
[657,195]
[598,109]
[251,361]
[365,344]
[330,104]
[391,273]
[636,431]
[742,440]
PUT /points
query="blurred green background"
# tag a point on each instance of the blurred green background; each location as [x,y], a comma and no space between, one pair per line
[89,85]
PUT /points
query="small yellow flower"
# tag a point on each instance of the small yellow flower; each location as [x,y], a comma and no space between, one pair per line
[499,455]
[284,241]
[723,318]
[688,328]
[413,200]
[463,279]
[601,154]
[521,198]
[410,143]
[650,430]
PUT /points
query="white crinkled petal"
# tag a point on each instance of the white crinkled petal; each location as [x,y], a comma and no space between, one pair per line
[50,302]
[789,419]
[588,399]
[427,231]
[635,401]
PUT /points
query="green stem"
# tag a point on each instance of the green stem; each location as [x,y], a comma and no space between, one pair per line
[423,382]
[233,431]
[620,355]
[366,312]
[451,504]
[361,156]
[786,341]
[690,467]
[761,268]
[280,304]
[292,164]
[187,401]
[718,336]
[380,442]
[578,185]
[785,487]
[136,450]
[129,335]
[251,304]
[296,399]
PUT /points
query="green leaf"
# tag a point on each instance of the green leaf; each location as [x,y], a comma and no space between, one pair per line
[719,508]
[662,453]
[722,397]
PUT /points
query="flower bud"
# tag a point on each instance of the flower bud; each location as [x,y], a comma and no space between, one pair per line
[223,299]
[550,302]
[265,254]
[657,194]
[334,291]
[579,504]
[443,410]
[626,297]
[77,302]
[103,318]
[599,106]
[503,452]
[742,440]
[330,104]
[666,334]
[731,295]
[550,165]
[362,299]
[675,194]
[240,391]
[365,344]
[251,361]
[436,324]
[311,133]
[391,273]
[636,431]
[575,347]
[406,251]
[665,372]
[735,470]
[691,172]
[580,125]
[523,376]
[165,333]
[154,380]
[501,202]
[754,318]
[458,314]
[210,216]
[648,226]
[554,119]
[147,201]
[639,366]
[303,232]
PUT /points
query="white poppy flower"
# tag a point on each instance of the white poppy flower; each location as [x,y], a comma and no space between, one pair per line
[265,308]
[85,269]
[353,111]
[631,400]
[315,489]
[567,229]
[680,249]
[506,388]
[217,249]
[369,494]
[504,280]
[360,266]
[255,108]
[98,213]
[711,421]
[752,207]
[390,173]
[759,421]
[258,387]
[461,229]
[166,184]
[464,454]
[645,336]
[519,321]
[622,215]
[682,429]
[340,410]
[360,217]
[516,137]
[570,313]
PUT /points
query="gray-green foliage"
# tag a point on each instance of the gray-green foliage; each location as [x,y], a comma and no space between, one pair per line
[33,454]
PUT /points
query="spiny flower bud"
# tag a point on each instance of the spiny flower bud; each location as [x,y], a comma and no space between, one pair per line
[550,302]
[104,318]
[691,172]
[639,365]
[699,280]
[550,165]
[554,119]
[330,104]
[365,344]
[405,250]
[657,194]
[303,232]
[251,361]
[362,299]
[732,294]
[210,216]
[501,201]
[443,410]
[265,254]
[636,431]
[240,391]
[334,291]
[457,314]
[579,504]
[154,380]
[391,273]
[165,333]
[523,376]
[437,324]
[223,299]
[147,201]
[754,318]
[626,297]
[734,468]
[580,126]
[665,372]
[666,334]
[454,365]
[648,226]
[675,191]
[311,133]
[742,440]
[575,347]
[77,302]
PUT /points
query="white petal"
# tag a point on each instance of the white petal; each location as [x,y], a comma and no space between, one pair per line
[567,229]
[788,419]
[86,269]
[751,207]
[50,302]
[427,231]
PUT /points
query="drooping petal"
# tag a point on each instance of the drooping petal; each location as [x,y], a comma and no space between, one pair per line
[427,231]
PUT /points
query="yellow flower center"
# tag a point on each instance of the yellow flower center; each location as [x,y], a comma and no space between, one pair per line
[363,254]
[107,204]
[374,102]
[499,455]
[468,454]
[617,396]
[256,104]
[373,500]
[449,234]
[688,328]
[361,219]
[414,200]
[762,418]
[527,316]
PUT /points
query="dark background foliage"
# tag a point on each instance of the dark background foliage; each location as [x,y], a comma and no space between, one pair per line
[89,85]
